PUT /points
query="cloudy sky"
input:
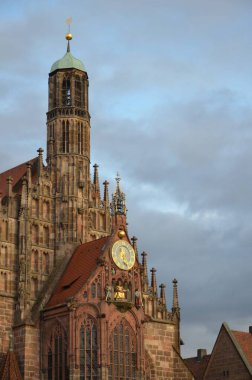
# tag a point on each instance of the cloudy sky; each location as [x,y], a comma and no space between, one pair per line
[171,107]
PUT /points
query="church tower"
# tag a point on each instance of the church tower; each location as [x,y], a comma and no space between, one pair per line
[68,146]
[76,300]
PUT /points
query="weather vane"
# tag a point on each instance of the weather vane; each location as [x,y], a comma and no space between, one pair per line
[69,21]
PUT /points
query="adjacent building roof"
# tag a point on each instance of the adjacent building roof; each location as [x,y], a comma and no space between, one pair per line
[9,369]
[244,340]
[79,269]
[16,173]
[196,366]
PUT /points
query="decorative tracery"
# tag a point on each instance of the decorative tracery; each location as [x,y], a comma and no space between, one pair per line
[88,350]
[122,353]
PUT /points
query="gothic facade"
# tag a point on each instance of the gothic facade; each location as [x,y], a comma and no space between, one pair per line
[75,298]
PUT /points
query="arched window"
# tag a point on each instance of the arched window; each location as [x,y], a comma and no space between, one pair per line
[35,234]
[46,235]
[57,368]
[3,282]
[4,256]
[66,92]
[46,210]
[78,91]
[46,263]
[35,207]
[88,351]
[35,260]
[4,228]
[65,137]
[80,138]
[34,287]
[122,353]
[51,131]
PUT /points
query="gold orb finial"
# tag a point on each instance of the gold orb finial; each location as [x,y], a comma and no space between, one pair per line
[69,36]
[121,234]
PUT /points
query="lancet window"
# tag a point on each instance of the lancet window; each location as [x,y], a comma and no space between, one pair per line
[66,92]
[35,260]
[65,137]
[51,131]
[57,366]
[46,263]
[4,256]
[88,350]
[80,137]
[54,92]
[78,91]
[3,281]
[123,355]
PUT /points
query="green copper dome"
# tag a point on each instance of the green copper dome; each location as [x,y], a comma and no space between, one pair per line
[68,62]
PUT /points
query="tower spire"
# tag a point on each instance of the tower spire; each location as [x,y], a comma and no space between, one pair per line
[118,205]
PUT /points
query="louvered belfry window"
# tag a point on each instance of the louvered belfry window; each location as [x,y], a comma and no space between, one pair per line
[57,367]
[88,350]
[122,353]
[66,92]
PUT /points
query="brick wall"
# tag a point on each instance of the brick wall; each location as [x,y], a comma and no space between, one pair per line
[164,363]
[226,358]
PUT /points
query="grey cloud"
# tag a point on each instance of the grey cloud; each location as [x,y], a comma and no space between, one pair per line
[171,110]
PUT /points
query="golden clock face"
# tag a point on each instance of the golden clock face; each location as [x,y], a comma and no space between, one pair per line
[123,255]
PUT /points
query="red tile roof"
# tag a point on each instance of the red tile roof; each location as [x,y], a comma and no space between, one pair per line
[197,367]
[79,269]
[244,340]
[10,369]
[16,173]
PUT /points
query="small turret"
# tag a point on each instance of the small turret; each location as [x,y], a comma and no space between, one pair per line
[96,179]
[9,182]
[162,294]
[153,281]
[29,176]
[175,304]
[134,244]
[40,161]
[24,193]
[106,194]
[145,281]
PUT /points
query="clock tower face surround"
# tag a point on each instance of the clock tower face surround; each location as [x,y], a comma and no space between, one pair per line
[123,255]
